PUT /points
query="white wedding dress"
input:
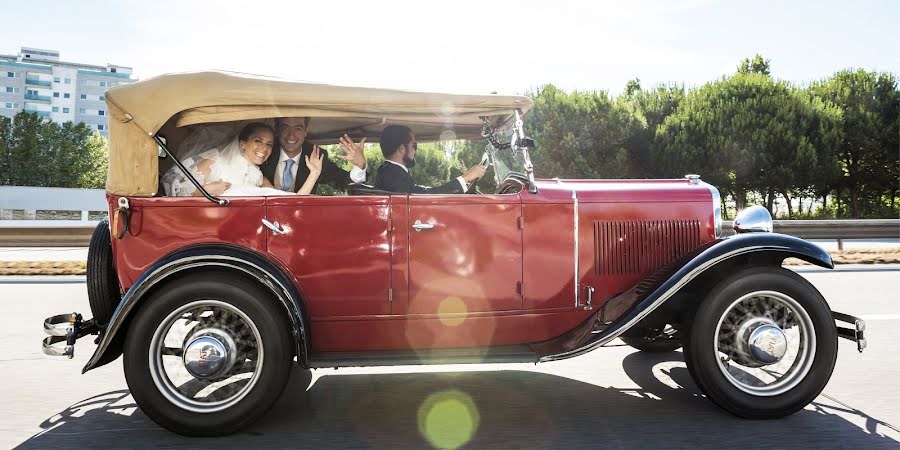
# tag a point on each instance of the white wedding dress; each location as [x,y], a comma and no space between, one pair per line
[228,164]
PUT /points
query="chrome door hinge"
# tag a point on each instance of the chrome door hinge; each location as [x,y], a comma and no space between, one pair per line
[520,222]
[390,294]
[589,294]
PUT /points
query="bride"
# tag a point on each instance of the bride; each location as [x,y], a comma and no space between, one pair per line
[230,167]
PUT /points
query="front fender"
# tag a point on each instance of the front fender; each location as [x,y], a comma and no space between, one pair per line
[630,307]
[216,256]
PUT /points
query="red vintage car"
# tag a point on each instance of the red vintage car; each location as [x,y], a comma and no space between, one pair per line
[211,300]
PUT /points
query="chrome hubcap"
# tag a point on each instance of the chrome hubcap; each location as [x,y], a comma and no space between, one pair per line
[765,343]
[206,356]
[209,353]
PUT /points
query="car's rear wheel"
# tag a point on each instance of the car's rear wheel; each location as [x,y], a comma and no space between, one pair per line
[102,283]
[208,355]
[763,343]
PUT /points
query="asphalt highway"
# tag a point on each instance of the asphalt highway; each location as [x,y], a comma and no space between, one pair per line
[611,398]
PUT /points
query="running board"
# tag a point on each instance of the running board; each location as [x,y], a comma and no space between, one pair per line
[478,355]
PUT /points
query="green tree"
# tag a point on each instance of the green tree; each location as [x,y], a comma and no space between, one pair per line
[27,152]
[95,168]
[650,108]
[5,157]
[580,134]
[755,65]
[745,133]
[868,149]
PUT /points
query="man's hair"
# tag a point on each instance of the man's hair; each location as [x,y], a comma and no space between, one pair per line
[278,121]
[393,137]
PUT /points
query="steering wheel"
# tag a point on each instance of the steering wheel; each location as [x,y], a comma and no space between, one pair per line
[473,186]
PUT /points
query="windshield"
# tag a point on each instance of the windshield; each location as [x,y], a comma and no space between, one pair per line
[506,161]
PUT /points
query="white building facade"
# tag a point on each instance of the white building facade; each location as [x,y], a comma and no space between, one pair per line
[36,80]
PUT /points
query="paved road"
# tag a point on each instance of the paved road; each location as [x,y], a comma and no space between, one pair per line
[611,398]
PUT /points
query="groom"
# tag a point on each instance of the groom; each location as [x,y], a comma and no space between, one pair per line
[288,171]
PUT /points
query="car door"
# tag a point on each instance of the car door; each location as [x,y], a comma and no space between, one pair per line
[338,248]
[465,253]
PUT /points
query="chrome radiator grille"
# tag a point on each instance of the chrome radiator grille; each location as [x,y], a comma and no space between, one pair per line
[641,246]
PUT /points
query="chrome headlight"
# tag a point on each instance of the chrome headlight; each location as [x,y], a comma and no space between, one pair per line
[753,219]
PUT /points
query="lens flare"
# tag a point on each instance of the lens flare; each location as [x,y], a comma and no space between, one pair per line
[448,419]
[452,311]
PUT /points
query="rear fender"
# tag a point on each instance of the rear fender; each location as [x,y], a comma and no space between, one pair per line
[215,257]
[628,308]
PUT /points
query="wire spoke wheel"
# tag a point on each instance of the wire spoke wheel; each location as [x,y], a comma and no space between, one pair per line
[762,344]
[792,329]
[206,356]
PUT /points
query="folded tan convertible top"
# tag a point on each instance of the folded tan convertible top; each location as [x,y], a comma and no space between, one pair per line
[166,103]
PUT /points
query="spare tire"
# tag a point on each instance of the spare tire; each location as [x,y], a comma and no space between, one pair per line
[102,282]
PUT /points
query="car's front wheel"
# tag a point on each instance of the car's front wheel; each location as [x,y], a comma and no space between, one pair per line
[763,343]
[207,355]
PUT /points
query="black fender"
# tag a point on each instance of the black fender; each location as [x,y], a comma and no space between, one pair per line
[628,308]
[216,256]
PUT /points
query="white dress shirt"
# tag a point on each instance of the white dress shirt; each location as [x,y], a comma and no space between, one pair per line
[357,175]
[462,181]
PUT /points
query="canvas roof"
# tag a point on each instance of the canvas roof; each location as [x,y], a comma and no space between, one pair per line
[167,104]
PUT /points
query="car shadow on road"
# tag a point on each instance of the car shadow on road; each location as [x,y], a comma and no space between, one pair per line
[482,409]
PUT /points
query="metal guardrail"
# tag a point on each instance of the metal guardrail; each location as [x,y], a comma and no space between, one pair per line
[78,234]
[833,229]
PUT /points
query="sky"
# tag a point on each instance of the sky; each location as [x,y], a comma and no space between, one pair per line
[466,46]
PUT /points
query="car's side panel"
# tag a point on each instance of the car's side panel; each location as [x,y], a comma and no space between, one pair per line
[434,331]
[470,259]
[548,255]
[339,249]
[161,225]
[399,226]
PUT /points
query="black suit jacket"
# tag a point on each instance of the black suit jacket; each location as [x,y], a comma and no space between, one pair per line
[331,174]
[391,177]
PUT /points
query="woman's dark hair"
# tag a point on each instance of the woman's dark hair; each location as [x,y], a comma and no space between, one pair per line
[392,137]
[251,128]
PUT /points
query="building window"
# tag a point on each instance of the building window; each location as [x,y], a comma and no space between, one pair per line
[65,110]
[100,127]
[66,95]
[56,109]
[83,97]
[101,113]
[102,84]
[10,74]
[56,95]
[56,79]
[10,90]
[68,81]
[82,111]
[101,98]
[8,105]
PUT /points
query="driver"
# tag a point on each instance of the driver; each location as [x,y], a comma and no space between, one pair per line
[398,145]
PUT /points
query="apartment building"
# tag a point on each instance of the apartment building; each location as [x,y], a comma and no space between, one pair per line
[37,81]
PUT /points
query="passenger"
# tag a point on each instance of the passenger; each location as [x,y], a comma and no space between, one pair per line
[290,135]
[398,145]
[233,169]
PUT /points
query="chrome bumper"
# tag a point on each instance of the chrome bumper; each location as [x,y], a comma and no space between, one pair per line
[64,330]
[855,334]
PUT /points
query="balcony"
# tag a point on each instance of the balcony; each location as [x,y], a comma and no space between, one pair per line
[35,81]
[40,98]
[40,113]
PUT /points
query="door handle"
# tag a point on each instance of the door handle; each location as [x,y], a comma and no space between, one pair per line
[419,226]
[275,227]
